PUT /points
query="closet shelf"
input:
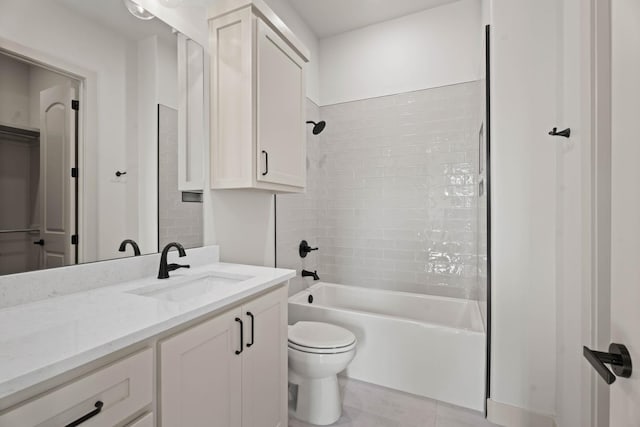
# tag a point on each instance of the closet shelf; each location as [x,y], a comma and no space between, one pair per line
[19,230]
[19,131]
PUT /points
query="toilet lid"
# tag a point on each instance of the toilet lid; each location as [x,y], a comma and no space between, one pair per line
[320,335]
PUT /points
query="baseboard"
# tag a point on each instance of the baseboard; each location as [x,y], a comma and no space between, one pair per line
[512,416]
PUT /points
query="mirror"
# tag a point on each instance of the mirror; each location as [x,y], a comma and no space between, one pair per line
[89,104]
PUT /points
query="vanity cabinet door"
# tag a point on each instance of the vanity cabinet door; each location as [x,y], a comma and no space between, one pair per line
[264,363]
[200,375]
[145,421]
[280,111]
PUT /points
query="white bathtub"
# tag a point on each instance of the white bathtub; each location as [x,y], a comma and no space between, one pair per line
[421,344]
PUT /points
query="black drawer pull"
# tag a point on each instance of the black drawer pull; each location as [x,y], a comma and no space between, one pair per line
[39,242]
[266,163]
[88,416]
[241,335]
[250,314]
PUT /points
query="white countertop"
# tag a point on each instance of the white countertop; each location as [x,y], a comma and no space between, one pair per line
[46,338]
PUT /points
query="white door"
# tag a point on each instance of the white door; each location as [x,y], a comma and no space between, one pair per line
[280,111]
[625,199]
[200,375]
[264,365]
[57,187]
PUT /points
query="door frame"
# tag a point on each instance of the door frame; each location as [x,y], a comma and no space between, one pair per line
[87,196]
[597,292]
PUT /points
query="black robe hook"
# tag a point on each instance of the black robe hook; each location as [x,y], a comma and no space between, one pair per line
[566,133]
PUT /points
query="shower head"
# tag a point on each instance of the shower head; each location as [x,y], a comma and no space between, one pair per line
[317,127]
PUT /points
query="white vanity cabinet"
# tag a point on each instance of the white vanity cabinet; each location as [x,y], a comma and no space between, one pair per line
[230,370]
[257,100]
[104,398]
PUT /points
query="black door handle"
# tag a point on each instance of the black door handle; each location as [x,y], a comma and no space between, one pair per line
[39,242]
[250,314]
[241,335]
[266,163]
[88,416]
[618,357]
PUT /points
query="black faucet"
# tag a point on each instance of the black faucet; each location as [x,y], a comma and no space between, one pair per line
[163,272]
[313,274]
[134,245]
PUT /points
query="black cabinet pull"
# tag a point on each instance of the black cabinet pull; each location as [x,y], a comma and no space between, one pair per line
[239,320]
[618,357]
[266,163]
[250,314]
[88,416]
[39,242]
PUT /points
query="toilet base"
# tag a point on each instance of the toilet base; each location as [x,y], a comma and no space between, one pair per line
[318,399]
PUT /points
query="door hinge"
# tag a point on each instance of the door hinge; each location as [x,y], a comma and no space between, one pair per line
[74,172]
[74,239]
[75,104]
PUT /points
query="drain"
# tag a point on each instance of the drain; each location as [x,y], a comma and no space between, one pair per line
[310,299]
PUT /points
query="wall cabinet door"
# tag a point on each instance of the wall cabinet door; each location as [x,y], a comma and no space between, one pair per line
[257,86]
[200,375]
[280,111]
[264,363]
[191,113]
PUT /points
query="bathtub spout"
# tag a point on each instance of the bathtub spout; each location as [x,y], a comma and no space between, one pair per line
[313,274]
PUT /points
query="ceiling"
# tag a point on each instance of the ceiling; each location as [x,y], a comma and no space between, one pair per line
[330,17]
[114,15]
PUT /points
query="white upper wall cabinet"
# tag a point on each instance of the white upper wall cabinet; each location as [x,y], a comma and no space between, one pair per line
[257,100]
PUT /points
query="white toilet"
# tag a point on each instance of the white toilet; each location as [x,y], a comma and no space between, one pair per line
[317,353]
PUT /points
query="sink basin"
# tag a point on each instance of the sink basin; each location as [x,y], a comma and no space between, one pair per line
[191,287]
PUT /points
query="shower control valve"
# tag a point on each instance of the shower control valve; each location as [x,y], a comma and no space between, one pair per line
[304,249]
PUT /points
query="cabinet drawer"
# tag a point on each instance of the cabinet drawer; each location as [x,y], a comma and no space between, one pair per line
[123,388]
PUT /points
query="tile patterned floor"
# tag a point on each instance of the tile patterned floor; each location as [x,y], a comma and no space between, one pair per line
[368,405]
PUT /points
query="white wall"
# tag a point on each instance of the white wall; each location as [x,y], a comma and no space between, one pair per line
[14,92]
[524,85]
[308,38]
[51,31]
[573,191]
[435,47]
[189,19]
[167,68]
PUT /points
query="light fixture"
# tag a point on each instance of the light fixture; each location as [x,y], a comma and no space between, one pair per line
[138,11]
[170,3]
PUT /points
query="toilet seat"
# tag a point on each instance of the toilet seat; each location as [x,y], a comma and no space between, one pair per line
[320,338]
[315,350]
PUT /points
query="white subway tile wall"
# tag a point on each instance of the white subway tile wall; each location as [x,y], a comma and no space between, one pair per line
[392,197]
[297,214]
[178,221]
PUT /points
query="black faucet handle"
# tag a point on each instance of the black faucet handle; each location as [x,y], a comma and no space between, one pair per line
[304,249]
[174,266]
